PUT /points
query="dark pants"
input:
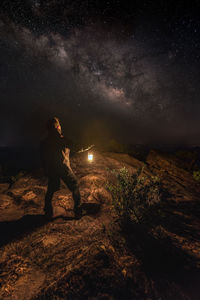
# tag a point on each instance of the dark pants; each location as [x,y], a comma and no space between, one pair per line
[70,180]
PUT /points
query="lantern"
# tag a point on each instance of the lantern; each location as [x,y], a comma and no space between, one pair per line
[90,157]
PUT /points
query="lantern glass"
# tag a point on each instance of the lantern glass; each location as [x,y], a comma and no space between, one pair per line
[90,157]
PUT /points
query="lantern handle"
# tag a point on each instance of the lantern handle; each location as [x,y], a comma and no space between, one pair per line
[87,149]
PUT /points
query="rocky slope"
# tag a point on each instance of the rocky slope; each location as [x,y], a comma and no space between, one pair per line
[91,257]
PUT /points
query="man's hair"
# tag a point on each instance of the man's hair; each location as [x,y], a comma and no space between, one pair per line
[53,123]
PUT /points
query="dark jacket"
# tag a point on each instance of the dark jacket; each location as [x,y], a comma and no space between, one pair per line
[54,153]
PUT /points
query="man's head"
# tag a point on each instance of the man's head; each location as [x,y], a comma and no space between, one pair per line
[53,125]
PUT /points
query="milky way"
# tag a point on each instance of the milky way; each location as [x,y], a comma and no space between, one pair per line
[142,86]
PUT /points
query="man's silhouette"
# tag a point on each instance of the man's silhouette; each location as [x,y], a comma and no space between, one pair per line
[56,164]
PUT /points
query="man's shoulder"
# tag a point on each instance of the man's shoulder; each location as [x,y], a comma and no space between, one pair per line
[65,141]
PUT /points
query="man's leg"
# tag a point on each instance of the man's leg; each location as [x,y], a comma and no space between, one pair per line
[53,186]
[70,180]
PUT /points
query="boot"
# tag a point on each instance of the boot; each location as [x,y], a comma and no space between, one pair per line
[78,212]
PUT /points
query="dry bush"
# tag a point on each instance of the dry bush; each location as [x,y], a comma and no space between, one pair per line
[134,196]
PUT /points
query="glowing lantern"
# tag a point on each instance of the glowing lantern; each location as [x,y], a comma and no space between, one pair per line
[90,157]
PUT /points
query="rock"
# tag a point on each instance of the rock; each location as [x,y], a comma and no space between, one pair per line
[29,196]
[16,192]
[11,213]
[26,180]
[90,181]
[50,240]
[5,201]
[102,196]
[125,158]
[3,187]
[174,178]
[27,285]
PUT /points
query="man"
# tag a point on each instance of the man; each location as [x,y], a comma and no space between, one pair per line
[56,164]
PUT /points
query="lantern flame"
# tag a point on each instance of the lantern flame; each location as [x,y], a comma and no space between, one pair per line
[90,157]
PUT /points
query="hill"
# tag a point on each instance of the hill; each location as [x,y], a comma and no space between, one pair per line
[94,257]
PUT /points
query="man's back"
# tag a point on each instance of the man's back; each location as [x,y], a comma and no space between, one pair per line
[54,153]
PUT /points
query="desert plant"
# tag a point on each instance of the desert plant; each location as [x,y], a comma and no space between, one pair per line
[133,195]
[196,175]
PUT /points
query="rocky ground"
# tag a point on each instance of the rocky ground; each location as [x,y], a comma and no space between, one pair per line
[93,257]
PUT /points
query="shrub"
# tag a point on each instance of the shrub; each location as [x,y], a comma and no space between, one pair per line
[134,196]
[196,175]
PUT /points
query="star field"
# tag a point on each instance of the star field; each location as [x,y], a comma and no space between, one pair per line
[133,69]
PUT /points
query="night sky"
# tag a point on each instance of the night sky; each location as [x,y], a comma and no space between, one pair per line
[107,69]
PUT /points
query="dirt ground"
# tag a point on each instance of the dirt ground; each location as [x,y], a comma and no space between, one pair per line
[94,257]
